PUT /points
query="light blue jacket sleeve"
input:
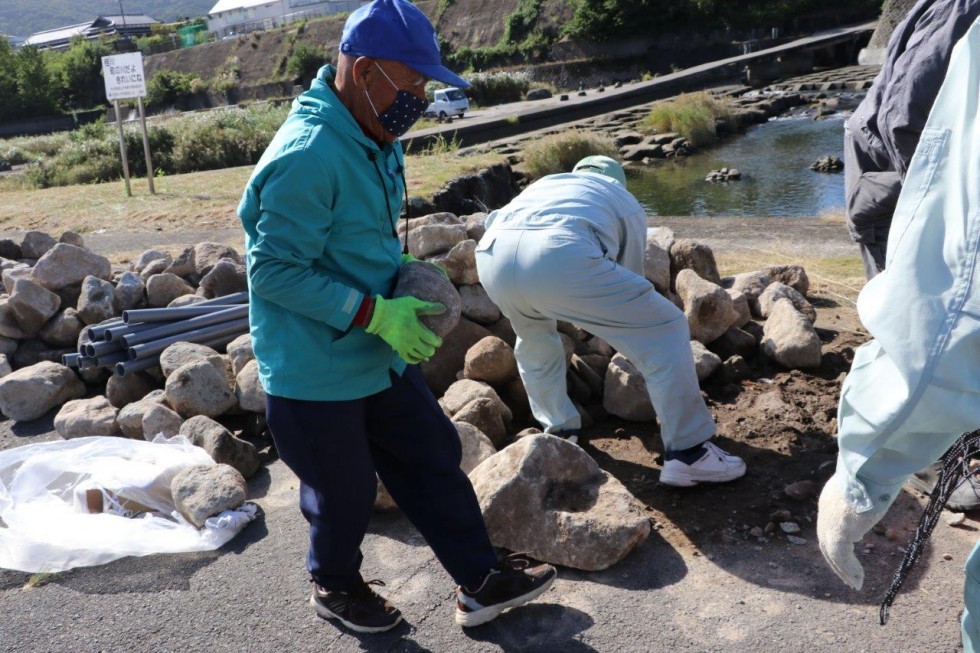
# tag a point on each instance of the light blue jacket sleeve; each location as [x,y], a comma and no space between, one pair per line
[289,226]
[914,389]
[634,238]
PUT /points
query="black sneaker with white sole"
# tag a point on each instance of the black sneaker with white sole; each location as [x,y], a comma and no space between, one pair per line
[516,580]
[361,609]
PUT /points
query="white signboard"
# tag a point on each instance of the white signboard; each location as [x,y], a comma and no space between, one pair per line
[123,75]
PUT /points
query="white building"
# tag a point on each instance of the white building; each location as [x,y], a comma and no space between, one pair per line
[230,17]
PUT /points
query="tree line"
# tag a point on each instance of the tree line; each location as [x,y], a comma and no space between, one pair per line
[43,83]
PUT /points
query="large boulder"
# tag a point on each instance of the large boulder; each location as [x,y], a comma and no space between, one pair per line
[163,288]
[225,278]
[97,301]
[625,392]
[486,415]
[656,264]
[66,265]
[778,290]
[207,255]
[158,420]
[705,362]
[130,417]
[32,305]
[793,276]
[84,417]
[429,239]
[440,371]
[36,244]
[124,390]
[750,284]
[240,352]
[32,391]
[198,388]
[204,491]
[181,353]
[477,305]
[249,390]
[221,445]
[546,496]
[788,337]
[708,307]
[687,254]
[423,281]
[459,263]
[491,360]
[129,293]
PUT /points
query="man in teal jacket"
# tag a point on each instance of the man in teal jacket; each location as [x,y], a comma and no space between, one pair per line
[336,356]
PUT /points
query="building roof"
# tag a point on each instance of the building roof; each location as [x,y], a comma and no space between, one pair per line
[132,19]
[230,5]
[91,29]
[58,34]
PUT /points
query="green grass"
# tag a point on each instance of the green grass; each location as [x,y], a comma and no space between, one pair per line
[560,152]
[692,115]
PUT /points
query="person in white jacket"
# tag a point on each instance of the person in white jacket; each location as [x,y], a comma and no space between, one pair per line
[570,247]
[915,388]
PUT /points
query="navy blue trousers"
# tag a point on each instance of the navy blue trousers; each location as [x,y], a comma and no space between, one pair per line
[335,448]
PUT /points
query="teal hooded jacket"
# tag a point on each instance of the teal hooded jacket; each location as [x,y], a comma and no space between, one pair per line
[319,213]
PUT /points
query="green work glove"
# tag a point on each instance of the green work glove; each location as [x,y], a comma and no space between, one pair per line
[408,258]
[396,321]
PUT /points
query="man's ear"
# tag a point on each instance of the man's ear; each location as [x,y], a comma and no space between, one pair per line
[362,66]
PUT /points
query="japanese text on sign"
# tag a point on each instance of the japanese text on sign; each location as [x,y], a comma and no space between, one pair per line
[123,75]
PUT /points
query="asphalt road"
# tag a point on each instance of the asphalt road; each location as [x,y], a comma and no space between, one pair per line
[252,594]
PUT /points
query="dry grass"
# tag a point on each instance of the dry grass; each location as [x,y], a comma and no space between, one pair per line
[838,277]
[692,115]
[190,202]
[835,215]
[560,152]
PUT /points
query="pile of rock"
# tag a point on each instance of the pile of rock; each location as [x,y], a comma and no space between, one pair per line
[827,164]
[56,289]
[724,174]
[588,520]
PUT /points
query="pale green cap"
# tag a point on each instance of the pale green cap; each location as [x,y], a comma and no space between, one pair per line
[602,165]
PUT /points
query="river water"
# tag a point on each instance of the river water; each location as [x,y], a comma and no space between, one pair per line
[774,159]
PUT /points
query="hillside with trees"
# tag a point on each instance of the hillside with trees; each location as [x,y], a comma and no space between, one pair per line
[25,17]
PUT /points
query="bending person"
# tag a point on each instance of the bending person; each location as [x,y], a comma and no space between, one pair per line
[570,247]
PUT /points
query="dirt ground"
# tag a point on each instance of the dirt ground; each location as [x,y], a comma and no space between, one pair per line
[783,423]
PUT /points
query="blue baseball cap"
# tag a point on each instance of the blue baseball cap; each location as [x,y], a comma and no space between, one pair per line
[397,30]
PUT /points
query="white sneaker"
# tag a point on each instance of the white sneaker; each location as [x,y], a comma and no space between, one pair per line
[714,466]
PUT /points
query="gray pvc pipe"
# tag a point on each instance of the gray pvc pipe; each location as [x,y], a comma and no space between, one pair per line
[131,367]
[95,332]
[117,332]
[109,360]
[86,362]
[183,326]
[70,360]
[95,349]
[211,332]
[171,314]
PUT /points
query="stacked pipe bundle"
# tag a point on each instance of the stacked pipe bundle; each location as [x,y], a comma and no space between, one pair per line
[135,341]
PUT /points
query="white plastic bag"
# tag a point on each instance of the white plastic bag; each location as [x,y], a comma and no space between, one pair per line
[47,532]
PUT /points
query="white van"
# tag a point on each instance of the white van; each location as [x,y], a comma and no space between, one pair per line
[448,102]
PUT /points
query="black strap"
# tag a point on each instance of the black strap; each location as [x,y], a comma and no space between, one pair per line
[408,211]
[955,470]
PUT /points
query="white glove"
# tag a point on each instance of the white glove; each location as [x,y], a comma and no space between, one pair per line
[839,526]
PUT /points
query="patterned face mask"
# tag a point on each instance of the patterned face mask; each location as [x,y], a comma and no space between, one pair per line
[404,112]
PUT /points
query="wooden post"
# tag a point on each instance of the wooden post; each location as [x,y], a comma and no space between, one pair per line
[122,148]
[146,148]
